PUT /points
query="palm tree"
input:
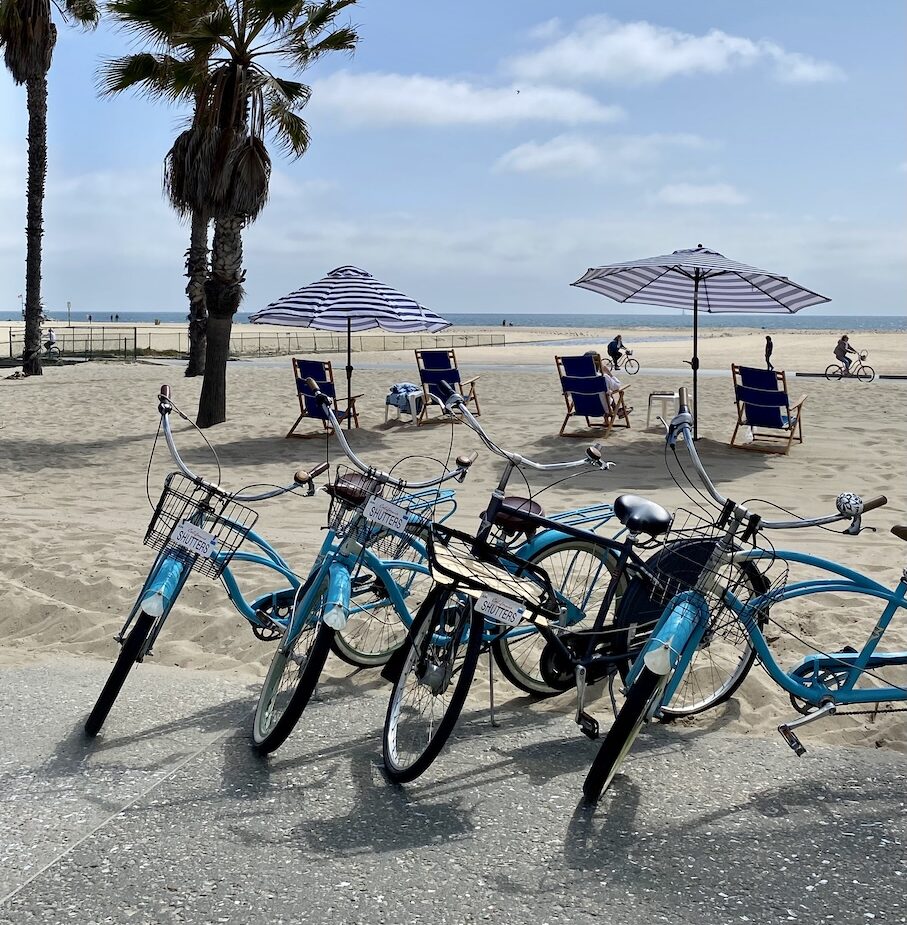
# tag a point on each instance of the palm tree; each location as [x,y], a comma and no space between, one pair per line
[27,37]
[220,165]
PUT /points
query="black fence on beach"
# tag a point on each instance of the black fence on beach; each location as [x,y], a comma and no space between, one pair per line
[85,342]
[113,341]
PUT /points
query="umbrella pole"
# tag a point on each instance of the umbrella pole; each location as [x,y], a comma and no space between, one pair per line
[349,371]
[695,363]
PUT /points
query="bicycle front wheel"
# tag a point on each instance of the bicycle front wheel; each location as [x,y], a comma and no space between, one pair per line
[631,367]
[295,669]
[580,572]
[724,655]
[632,716]
[834,372]
[439,663]
[129,653]
[376,628]
[866,373]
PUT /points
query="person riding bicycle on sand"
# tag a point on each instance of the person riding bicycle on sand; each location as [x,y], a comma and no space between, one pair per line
[842,348]
[51,339]
[616,350]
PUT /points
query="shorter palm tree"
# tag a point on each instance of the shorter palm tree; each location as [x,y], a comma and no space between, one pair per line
[220,166]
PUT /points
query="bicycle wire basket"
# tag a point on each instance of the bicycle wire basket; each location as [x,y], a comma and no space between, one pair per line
[378,516]
[459,558]
[199,524]
[682,564]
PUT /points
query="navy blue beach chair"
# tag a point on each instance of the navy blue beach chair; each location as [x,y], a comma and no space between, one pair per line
[764,410]
[323,374]
[437,367]
[587,395]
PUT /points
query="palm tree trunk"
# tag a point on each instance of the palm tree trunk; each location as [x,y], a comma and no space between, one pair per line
[223,293]
[196,271]
[36,90]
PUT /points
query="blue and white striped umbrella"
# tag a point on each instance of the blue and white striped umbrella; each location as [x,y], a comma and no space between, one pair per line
[349,299]
[700,279]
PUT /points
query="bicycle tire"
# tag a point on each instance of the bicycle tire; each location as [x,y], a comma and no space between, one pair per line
[834,372]
[420,657]
[274,721]
[626,727]
[631,367]
[866,373]
[724,657]
[373,635]
[129,652]
[518,654]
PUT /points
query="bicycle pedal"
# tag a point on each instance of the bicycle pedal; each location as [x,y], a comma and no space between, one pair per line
[790,737]
[589,725]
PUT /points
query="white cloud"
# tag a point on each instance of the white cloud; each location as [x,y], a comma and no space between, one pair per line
[625,157]
[602,49]
[399,99]
[690,194]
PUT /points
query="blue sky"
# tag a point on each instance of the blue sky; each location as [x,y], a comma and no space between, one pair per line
[481,155]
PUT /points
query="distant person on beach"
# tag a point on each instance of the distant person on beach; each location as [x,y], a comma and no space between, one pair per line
[89,319]
[51,339]
[842,348]
[116,317]
[616,350]
[769,346]
[504,323]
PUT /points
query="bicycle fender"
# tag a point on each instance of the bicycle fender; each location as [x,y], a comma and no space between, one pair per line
[677,624]
[337,606]
[163,589]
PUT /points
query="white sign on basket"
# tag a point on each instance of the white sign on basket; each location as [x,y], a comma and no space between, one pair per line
[500,609]
[385,513]
[195,539]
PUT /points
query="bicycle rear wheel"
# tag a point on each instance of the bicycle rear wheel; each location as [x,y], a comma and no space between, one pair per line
[376,628]
[865,373]
[725,655]
[580,572]
[440,657]
[294,671]
[834,372]
[129,653]
[631,367]
[632,716]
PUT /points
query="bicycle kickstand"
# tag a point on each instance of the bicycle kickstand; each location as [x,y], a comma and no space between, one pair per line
[588,724]
[787,729]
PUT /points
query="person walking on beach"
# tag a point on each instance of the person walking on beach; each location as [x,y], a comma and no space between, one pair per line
[842,348]
[769,346]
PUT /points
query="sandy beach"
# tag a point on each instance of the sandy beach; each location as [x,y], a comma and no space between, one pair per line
[75,443]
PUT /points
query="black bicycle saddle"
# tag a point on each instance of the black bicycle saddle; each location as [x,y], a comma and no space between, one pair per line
[641,516]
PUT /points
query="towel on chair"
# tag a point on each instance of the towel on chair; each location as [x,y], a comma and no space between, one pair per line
[398,396]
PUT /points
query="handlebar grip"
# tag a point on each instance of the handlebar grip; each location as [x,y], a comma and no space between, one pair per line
[684,402]
[165,392]
[307,476]
[312,386]
[873,503]
[464,462]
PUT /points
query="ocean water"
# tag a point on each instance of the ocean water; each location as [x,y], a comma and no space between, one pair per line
[802,321]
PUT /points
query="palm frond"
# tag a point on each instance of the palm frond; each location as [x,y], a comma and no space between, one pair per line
[84,12]
[27,36]
[299,50]
[155,76]
[288,129]
[156,21]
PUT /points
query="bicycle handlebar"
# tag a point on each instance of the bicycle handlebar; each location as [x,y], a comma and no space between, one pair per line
[463,462]
[456,401]
[850,506]
[303,478]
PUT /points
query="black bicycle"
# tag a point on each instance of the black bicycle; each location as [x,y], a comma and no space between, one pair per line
[586,614]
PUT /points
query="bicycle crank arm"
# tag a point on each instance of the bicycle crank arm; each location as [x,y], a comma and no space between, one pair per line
[787,729]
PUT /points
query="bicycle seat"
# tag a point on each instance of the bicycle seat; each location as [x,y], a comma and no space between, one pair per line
[641,516]
[353,488]
[512,521]
[900,532]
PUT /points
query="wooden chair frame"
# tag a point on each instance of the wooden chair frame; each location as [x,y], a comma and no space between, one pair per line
[751,391]
[614,411]
[467,387]
[329,388]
